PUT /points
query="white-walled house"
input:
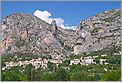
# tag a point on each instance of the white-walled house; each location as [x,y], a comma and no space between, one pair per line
[75,61]
[103,60]
[103,55]
[86,60]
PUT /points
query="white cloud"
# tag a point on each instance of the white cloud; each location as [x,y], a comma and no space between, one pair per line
[42,14]
[46,16]
[68,27]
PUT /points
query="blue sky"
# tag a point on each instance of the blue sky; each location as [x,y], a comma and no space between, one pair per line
[70,12]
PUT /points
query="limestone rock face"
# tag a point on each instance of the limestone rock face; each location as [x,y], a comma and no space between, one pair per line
[26,33]
[104,29]
[21,32]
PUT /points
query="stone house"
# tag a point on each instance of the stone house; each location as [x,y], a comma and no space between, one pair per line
[44,64]
[75,61]
[86,60]
[57,62]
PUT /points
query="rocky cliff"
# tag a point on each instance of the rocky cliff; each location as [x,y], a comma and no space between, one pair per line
[26,33]
[103,31]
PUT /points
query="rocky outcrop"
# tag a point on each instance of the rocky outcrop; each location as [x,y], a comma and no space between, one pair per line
[26,33]
[103,31]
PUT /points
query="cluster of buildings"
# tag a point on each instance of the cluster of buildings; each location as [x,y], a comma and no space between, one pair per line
[43,62]
[82,61]
[37,63]
[88,60]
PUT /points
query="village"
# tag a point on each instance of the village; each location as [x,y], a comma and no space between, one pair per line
[43,62]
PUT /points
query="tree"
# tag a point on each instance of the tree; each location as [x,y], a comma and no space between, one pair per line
[28,71]
[2,76]
[114,60]
[50,65]
[62,74]
[79,76]
[97,61]
[65,63]
[75,76]
[113,75]
[13,74]
[33,73]
[48,77]
[94,77]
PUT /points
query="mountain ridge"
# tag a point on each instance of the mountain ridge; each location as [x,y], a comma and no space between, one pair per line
[27,33]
